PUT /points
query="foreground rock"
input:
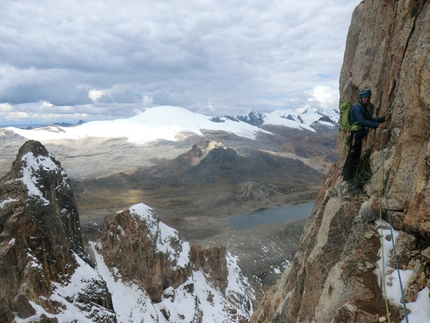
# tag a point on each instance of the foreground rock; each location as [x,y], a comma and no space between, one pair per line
[41,245]
[338,272]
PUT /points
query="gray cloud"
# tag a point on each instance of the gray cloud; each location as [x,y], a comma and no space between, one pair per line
[112,59]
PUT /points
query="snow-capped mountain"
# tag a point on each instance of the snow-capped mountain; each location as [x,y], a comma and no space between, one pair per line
[167,122]
[164,122]
[306,119]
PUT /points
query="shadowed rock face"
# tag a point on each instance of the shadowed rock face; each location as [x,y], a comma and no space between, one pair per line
[331,278]
[135,254]
[40,234]
[253,165]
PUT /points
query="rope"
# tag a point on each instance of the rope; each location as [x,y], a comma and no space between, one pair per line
[384,288]
[384,185]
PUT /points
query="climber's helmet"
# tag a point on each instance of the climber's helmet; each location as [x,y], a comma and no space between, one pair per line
[365,93]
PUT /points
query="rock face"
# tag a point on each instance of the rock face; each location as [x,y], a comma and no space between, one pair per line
[41,244]
[129,245]
[212,261]
[332,278]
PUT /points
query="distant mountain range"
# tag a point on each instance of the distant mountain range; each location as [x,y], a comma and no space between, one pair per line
[167,122]
[308,119]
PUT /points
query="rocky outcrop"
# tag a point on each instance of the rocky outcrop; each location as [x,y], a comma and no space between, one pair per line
[41,244]
[333,277]
[135,245]
[254,117]
[213,262]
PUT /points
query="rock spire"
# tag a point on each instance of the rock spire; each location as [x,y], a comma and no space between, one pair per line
[41,243]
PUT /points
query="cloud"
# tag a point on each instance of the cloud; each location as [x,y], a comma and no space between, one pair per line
[105,57]
[324,96]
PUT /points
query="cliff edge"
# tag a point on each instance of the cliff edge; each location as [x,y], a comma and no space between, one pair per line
[340,272]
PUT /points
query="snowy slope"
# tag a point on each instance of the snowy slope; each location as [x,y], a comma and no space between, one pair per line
[164,122]
[134,305]
[395,279]
[197,299]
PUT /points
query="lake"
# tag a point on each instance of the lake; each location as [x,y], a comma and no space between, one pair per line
[271,215]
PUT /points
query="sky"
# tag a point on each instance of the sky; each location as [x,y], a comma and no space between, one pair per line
[64,61]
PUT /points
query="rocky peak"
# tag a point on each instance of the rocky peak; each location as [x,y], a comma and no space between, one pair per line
[254,117]
[252,165]
[338,272]
[36,174]
[145,250]
[213,261]
[40,235]
[200,150]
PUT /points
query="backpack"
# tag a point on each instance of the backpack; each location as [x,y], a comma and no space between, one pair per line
[343,122]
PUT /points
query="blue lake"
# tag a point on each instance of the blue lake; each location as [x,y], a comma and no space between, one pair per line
[271,215]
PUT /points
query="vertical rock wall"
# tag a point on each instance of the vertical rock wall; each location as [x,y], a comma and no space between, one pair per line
[331,278]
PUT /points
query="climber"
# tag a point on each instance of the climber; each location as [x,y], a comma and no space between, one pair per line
[360,115]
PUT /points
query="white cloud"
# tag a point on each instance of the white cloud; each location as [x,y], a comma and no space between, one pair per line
[324,96]
[147,99]
[46,105]
[18,115]
[5,107]
[258,55]
[95,95]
